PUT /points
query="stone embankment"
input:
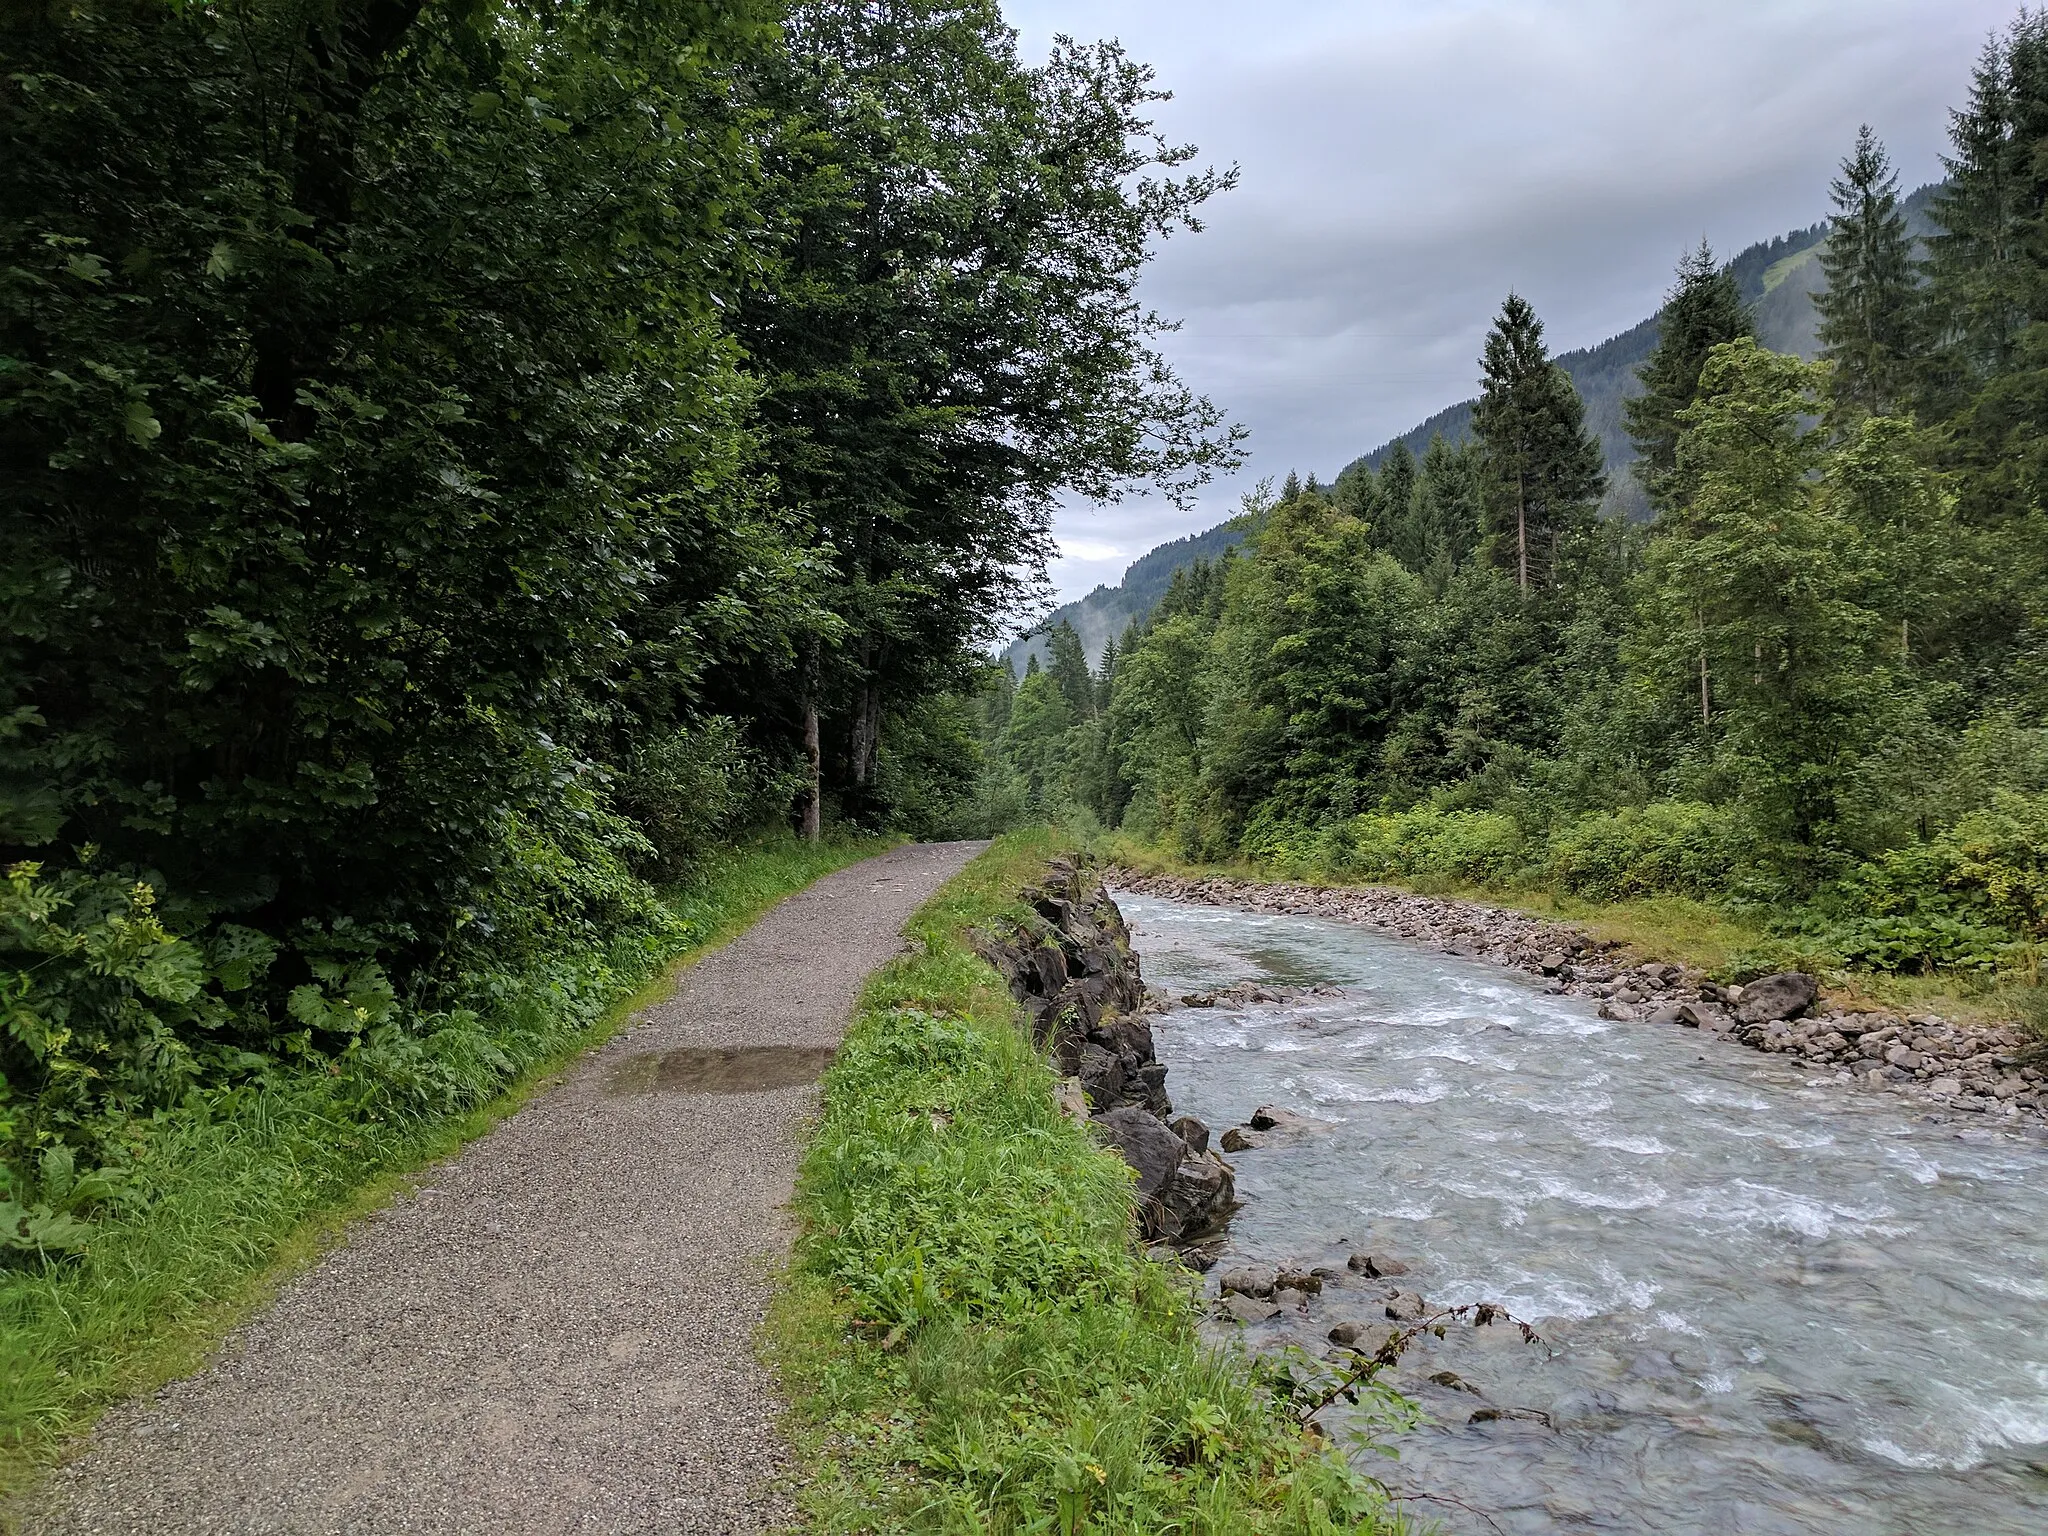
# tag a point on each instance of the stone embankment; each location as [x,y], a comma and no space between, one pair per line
[1978,1070]
[1071,967]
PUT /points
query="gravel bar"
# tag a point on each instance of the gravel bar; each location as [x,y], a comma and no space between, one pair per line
[555,1331]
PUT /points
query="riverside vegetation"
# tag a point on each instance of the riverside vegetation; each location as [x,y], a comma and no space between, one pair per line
[1795,720]
[972,1339]
[463,466]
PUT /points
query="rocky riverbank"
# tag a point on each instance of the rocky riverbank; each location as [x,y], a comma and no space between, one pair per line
[1933,1060]
[1071,967]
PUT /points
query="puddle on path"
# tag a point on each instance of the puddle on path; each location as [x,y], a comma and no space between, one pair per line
[716,1069]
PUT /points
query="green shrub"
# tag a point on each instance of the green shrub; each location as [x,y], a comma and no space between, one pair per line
[1669,847]
[691,789]
[1463,847]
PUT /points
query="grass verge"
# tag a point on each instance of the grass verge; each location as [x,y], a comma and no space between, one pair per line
[1673,929]
[248,1187]
[970,1336]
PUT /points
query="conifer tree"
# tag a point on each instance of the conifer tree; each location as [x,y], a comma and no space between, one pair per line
[1447,507]
[1868,313]
[1986,373]
[1983,266]
[1393,515]
[1543,469]
[1291,487]
[1068,663]
[1703,309]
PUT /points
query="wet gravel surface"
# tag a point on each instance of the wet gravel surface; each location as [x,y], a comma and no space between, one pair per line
[555,1332]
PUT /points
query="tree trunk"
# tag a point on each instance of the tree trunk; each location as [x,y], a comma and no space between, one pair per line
[1706,698]
[814,790]
[1522,529]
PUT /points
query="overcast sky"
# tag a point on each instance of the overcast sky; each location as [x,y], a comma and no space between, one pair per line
[1406,162]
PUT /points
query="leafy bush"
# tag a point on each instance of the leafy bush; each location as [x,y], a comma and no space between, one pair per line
[689,790]
[1465,847]
[1676,847]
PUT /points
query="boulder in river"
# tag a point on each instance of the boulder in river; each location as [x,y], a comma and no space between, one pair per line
[1270,1117]
[1769,999]
[1380,1266]
[1406,1307]
[1238,1139]
[1257,1280]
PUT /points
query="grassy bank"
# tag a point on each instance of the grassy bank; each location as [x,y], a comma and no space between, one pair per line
[1727,945]
[238,1190]
[971,1338]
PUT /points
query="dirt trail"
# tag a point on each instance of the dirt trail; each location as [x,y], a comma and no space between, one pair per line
[555,1334]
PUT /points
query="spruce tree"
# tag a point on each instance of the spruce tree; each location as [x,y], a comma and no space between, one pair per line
[1986,374]
[1703,309]
[1869,311]
[1543,469]
[1993,199]
[1447,507]
[1393,516]
[1068,663]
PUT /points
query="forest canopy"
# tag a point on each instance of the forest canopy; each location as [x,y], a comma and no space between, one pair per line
[459,461]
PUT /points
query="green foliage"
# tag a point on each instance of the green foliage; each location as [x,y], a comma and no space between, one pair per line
[1543,471]
[201,1198]
[1870,310]
[971,1339]
[691,789]
[1702,311]
[1673,847]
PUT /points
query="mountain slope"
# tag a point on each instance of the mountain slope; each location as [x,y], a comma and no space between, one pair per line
[1102,615]
[1777,277]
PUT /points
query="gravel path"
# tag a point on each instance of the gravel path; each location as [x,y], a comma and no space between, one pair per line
[555,1333]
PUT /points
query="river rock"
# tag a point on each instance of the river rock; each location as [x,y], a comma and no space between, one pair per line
[1146,1144]
[1769,999]
[1367,1338]
[1102,1076]
[1270,1117]
[1307,1281]
[1406,1307]
[1193,1132]
[1380,1266]
[1246,1310]
[1238,1139]
[1256,1280]
[1198,1199]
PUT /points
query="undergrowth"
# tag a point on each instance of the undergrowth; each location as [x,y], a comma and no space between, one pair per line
[235,1188]
[970,1335]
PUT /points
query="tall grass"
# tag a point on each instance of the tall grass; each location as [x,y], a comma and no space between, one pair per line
[240,1188]
[972,1340]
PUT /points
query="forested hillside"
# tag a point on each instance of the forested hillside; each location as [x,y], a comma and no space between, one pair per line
[1107,612]
[1811,690]
[1777,278]
[461,464]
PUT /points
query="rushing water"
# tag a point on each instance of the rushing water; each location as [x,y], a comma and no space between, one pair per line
[1772,1306]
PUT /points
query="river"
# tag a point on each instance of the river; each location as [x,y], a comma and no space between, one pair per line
[1769,1306]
